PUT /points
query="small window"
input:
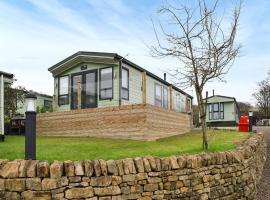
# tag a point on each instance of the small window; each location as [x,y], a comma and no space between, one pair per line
[221,110]
[177,102]
[47,104]
[63,97]
[106,83]
[165,97]
[210,111]
[125,84]
[158,95]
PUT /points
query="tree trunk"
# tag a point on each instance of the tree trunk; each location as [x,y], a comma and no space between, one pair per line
[202,110]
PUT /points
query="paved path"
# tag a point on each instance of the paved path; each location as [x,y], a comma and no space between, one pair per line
[263,187]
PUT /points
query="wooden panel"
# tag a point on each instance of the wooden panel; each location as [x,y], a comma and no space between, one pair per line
[137,121]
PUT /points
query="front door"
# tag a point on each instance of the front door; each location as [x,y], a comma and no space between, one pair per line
[88,82]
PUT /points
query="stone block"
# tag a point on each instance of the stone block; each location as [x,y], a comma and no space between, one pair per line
[139,164]
[69,168]
[30,195]
[129,167]
[10,170]
[31,170]
[112,167]
[79,193]
[56,169]
[101,181]
[97,168]
[15,185]
[88,167]
[106,191]
[33,184]
[79,169]
[43,169]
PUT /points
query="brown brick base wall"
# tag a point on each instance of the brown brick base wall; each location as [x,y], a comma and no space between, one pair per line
[142,122]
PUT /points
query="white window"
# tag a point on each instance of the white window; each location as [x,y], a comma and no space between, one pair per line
[63,94]
[125,83]
[106,83]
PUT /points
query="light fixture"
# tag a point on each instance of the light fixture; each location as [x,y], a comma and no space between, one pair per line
[30,99]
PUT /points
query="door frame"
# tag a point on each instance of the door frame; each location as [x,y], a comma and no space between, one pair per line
[83,74]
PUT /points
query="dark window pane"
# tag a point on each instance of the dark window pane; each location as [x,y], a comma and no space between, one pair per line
[75,81]
[63,100]
[106,78]
[63,85]
[124,78]
[221,106]
[216,115]
[106,93]
[216,107]
[47,104]
[124,93]
[165,97]
[158,95]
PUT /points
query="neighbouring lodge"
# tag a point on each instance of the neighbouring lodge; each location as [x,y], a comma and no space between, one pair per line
[5,78]
[104,94]
[222,111]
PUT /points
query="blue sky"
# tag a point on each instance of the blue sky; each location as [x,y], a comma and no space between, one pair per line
[36,34]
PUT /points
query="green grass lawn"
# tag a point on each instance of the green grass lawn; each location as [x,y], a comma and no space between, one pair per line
[59,148]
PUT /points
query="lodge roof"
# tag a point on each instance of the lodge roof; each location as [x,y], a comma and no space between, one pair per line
[5,74]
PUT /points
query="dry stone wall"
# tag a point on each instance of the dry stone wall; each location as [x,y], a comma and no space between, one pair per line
[225,175]
[138,121]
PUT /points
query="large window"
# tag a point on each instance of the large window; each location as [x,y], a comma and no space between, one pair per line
[125,84]
[158,95]
[161,96]
[216,111]
[63,92]
[106,83]
[165,97]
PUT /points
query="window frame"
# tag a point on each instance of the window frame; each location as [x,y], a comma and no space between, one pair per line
[99,89]
[155,95]
[123,88]
[59,96]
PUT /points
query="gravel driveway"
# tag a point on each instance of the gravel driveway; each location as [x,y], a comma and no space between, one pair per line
[263,187]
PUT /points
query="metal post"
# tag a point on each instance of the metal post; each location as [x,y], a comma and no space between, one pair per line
[250,123]
[30,135]
[2,136]
[250,117]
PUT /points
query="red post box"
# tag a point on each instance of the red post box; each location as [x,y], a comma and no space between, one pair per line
[243,124]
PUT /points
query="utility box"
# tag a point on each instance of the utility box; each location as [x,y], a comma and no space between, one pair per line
[243,124]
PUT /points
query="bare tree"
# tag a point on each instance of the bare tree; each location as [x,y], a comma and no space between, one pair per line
[244,107]
[205,47]
[263,97]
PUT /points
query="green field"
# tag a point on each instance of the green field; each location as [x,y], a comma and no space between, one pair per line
[59,148]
